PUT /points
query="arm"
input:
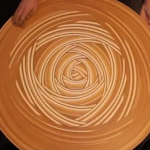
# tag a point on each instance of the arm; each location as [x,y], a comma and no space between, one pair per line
[24,11]
[145,11]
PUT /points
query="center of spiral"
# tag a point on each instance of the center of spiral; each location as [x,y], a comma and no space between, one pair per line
[77,78]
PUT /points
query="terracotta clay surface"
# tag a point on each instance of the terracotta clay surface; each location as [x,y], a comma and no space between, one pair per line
[76,78]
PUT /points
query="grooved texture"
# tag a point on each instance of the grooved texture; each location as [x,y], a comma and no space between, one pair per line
[77,77]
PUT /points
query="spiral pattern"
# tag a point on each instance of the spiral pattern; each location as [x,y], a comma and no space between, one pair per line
[78,75]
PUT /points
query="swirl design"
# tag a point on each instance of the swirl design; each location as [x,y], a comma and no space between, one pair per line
[76,77]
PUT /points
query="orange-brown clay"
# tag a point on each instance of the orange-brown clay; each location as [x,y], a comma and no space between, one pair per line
[76,78]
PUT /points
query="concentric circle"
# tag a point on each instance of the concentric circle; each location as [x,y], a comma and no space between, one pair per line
[77,77]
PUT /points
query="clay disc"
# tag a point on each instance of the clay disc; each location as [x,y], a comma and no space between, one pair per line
[77,77]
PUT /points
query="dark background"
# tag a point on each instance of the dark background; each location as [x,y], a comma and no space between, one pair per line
[7,9]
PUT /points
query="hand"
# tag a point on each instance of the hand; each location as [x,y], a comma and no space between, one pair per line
[145,11]
[24,11]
